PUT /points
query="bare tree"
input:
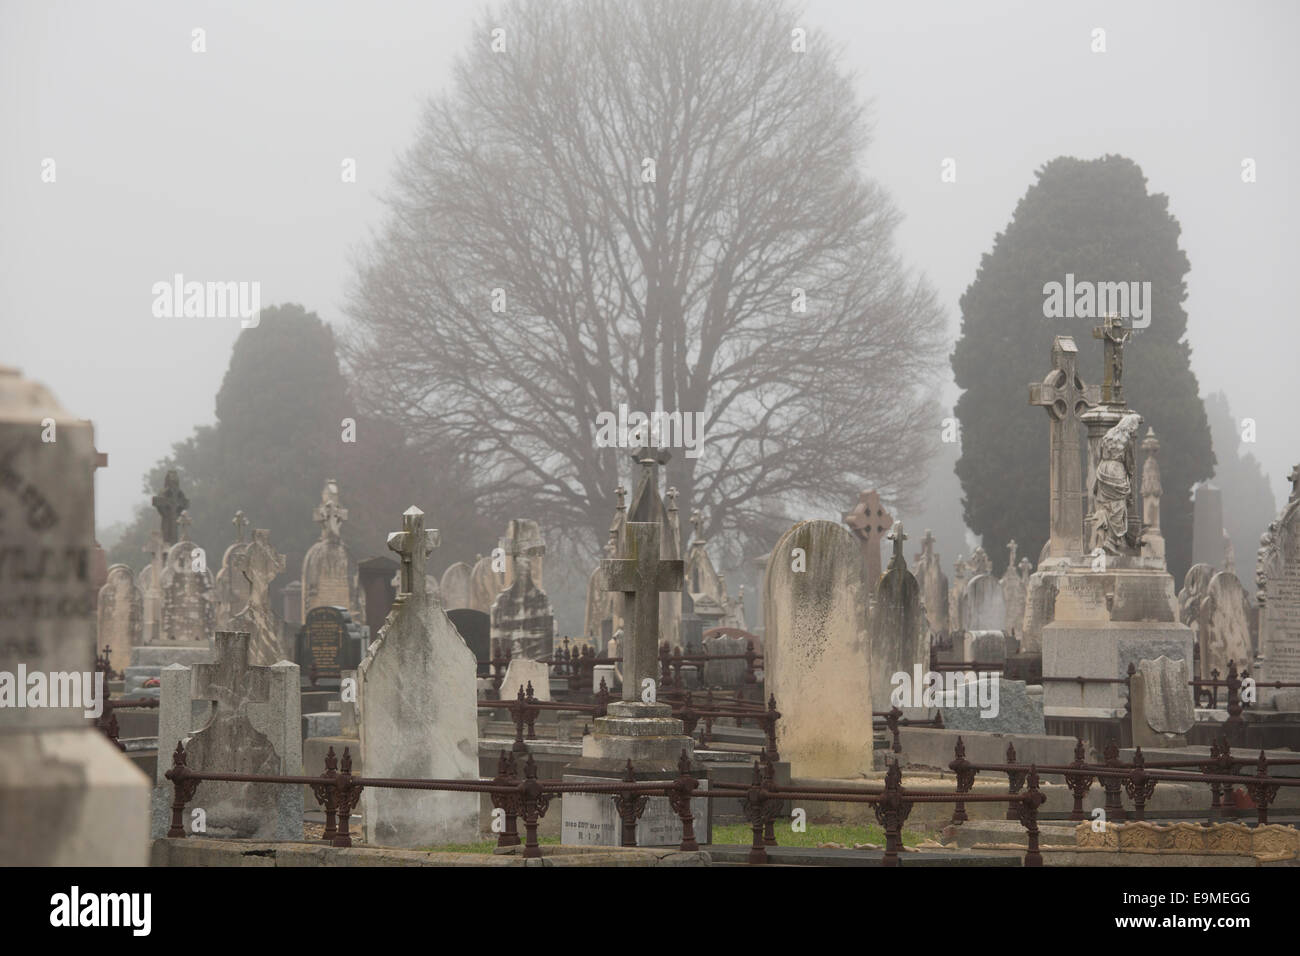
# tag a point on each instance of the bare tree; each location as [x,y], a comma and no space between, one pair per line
[649,188]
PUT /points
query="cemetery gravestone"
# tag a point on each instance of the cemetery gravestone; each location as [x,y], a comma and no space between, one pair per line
[418,714]
[121,615]
[934,586]
[1223,629]
[188,605]
[1278,578]
[898,638]
[230,591]
[254,726]
[68,797]
[818,666]
[259,564]
[476,629]
[325,580]
[455,586]
[1163,702]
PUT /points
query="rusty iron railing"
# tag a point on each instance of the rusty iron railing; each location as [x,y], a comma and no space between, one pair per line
[338,791]
[894,719]
[106,722]
[1137,778]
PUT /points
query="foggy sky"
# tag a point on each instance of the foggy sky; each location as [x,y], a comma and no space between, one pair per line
[225,166]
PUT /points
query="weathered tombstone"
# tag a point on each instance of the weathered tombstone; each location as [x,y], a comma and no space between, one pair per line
[455,586]
[1207,525]
[416,700]
[150,582]
[869,522]
[476,628]
[817,650]
[189,611]
[728,673]
[1223,627]
[68,797]
[327,646]
[961,574]
[521,672]
[898,638]
[325,579]
[375,589]
[485,583]
[170,504]
[253,726]
[1016,712]
[1153,539]
[934,586]
[1062,394]
[230,590]
[291,603]
[1196,584]
[260,563]
[121,615]
[982,604]
[1277,576]
[521,614]
[1162,702]
[1015,588]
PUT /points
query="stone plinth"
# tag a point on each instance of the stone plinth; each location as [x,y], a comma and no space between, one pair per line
[652,739]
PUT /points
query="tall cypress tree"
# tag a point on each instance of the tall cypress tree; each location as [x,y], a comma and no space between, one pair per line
[1096,220]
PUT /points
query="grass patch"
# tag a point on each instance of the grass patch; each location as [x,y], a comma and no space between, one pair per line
[816,834]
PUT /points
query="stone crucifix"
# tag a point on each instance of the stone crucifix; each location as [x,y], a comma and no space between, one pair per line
[869,522]
[413,544]
[170,503]
[1113,334]
[1064,397]
[240,523]
[640,575]
[328,514]
[897,536]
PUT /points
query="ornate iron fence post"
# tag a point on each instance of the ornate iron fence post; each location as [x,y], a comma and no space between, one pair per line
[965,780]
[1113,783]
[1079,782]
[1262,793]
[769,725]
[891,811]
[1138,785]
[324,794]
[507,776]
[750,656]
[1015,780]
[516,708]
[531,712]
[602,700]
[183,787]
[629,807]
[755,809]
[891,722]
[347,796]
[534,803]
[679,797]
[1028,813]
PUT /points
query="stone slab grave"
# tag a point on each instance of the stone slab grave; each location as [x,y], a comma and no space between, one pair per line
[188,604]
[638,736]
[232,716]
[521,672]
[1223,625]
[68,797]
[259,564]
[521,614]
[417,709]
[818,664]
[1277,575]
[1008,709]
[329,642]
[1162,702]
[934,585]
[898,639]
[325,578]
[455,587]
[988,646]
[120,611]
[230,588]
[476,628]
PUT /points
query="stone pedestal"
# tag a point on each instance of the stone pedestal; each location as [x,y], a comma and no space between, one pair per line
[1102,622]
[652,739]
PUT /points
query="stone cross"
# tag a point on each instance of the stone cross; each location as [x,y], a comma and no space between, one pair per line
[1064,396]
[1113,335]
[1011,554]
[183,525]
[170,504]
[869,521]
[647,490]
[640,576]
[260,564]
[230,680]
[1294,478]
[897,536]
[621,492]
[671,495]
[697,524]
[413,544]
[240,523]
[328,514]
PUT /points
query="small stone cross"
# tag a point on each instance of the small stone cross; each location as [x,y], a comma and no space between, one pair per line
[240,523]
[413,544]
[869,521]
[640,576]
